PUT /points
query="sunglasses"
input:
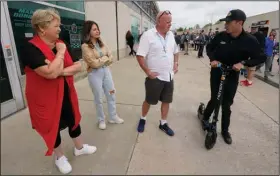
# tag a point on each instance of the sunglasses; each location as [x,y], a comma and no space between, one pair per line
[167,12]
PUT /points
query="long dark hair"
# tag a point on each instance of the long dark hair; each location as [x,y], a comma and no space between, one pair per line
[86,34]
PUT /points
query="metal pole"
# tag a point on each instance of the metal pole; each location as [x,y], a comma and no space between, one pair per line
[211,21]
[117,30]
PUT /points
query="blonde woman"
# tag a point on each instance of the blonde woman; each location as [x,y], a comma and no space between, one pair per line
[98,57]
[50,92]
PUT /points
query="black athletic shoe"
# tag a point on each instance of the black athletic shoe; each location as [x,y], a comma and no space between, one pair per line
[141,126]
[166,129]
[227,137]
[205,124]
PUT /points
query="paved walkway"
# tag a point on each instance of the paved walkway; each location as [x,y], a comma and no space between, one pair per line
[121,150]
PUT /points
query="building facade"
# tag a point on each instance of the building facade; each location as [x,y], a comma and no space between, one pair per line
[265,23]
[115,18]
[120,17]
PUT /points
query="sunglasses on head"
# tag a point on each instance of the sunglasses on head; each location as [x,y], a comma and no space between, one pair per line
[165,12]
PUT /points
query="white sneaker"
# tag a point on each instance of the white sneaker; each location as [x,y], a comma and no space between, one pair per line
[63,165]
[116,120]
[102,125]
[86,150]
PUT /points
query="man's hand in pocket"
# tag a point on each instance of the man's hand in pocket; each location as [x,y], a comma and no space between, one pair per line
[152,75]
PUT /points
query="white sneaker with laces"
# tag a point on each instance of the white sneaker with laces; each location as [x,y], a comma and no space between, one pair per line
[102,125]
[63,165]
[116,120]
[86,150]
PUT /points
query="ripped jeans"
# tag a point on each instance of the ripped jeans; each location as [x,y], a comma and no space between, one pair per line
[101,81]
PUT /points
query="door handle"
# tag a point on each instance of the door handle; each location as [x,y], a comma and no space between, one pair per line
[8,53]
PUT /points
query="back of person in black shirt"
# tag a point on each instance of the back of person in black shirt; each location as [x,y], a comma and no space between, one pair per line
[232,47]
[259,36]
[130,42]
[177,38]
[251,70]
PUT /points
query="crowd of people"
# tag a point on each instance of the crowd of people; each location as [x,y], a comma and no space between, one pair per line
[50,67]
[196,40]
[269,45]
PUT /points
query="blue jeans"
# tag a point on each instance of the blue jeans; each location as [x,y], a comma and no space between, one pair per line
[100,81]
[243,72]
[268,63]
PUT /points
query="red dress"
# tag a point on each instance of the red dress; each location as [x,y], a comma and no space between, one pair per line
[44,97]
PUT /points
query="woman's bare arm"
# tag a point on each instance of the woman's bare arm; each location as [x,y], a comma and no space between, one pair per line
[73,69]
[53,69]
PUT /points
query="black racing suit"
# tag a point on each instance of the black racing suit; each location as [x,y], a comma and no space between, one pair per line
[229,51]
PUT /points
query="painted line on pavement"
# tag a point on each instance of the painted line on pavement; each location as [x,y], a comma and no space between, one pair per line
[268,81]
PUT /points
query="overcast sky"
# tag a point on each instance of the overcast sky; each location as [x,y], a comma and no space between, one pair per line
[188,14]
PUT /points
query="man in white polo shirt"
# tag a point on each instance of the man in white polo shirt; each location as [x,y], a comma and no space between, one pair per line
[158,56]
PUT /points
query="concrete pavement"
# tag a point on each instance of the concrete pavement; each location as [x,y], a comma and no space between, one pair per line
[121,150]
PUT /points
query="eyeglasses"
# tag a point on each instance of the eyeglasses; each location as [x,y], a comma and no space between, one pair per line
[165,12]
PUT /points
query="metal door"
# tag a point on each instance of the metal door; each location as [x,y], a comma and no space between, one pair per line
[11,94]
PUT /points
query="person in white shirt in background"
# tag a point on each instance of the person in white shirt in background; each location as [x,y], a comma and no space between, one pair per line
[158,56]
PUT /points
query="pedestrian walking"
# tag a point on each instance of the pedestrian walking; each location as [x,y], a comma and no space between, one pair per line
[187,39]
[130,42]
[182,42]
[201,43]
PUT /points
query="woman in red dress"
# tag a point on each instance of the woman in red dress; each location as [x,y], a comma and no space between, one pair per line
[50,92]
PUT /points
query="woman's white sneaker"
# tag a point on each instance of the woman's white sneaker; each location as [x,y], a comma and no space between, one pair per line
[86,150]
[116,120]
[63,165]
[102,125]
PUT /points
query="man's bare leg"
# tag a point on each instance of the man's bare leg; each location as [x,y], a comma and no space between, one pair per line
[145,109]
[250,76]
[164,110]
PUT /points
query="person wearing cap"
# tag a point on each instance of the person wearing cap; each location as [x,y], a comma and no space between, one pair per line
[232,47]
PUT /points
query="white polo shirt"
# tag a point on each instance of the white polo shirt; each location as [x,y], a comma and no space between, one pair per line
[158,53]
